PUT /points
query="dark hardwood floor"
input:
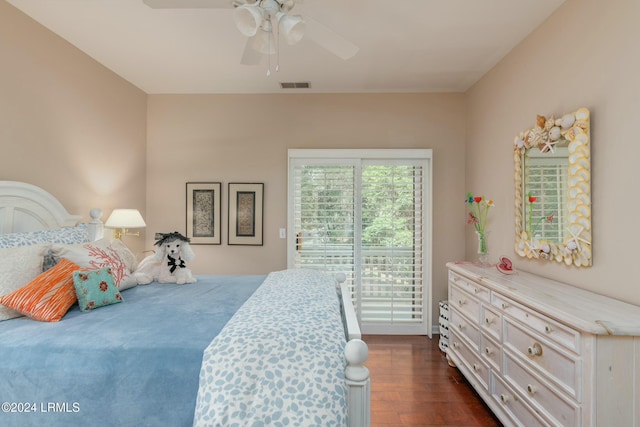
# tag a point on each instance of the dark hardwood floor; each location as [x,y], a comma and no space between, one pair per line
[413,385]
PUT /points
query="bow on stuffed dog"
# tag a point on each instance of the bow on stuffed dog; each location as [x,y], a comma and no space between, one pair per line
[168,264]
[173,264]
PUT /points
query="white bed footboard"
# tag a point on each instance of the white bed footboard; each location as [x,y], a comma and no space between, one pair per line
[356,353]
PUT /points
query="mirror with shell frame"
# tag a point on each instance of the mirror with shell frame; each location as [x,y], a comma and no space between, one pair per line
[553,189]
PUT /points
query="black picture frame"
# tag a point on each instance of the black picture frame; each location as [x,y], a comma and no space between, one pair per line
[246,209]
[204,212]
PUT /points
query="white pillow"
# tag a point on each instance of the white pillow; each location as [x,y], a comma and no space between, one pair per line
[99,254]
[18,266]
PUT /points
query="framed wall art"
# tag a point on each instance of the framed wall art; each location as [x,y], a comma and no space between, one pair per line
[203,212]
[245,213]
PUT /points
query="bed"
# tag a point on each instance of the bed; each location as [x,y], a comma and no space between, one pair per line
[276,349]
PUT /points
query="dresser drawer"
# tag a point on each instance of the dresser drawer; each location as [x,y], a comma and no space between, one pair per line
[491,352]
[491,322]
[464,328]
[472,288]
[521,414]
[464,302]
[559,365]
[471,359]
[550,329]
[561,410]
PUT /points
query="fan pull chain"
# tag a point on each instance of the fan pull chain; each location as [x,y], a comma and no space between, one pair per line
[278,50]
[268,56]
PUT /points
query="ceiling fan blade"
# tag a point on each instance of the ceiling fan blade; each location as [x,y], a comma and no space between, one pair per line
[250,56]
[330,40]
[191,4]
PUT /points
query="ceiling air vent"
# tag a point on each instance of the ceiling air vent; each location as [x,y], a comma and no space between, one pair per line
[295,85]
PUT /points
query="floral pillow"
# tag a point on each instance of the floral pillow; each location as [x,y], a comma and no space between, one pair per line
[67,235]
[99,254]
[95,288]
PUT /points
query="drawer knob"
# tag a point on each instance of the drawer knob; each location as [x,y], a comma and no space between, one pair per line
[488,321]
[460,326]
[531,389]
[534,350]
[504,398]
[476,367]
[504,305]
[487,351]
[476,290]
[461,302]
[548,329]
[456,344]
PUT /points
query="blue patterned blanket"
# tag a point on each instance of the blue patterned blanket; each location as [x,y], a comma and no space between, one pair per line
[279,361]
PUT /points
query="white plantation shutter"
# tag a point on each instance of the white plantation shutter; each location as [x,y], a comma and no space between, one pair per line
[366,217]
[392,259]
[323,217]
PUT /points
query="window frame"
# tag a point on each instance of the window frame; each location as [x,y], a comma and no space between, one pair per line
[358,156]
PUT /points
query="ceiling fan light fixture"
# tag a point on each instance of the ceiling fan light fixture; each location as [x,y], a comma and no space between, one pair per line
[248,19]
[264,42]
[292,27]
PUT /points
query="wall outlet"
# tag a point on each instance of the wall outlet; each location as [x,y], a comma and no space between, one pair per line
[283,233]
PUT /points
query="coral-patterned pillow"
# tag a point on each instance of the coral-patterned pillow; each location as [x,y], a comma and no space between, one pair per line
[99,254]
[95,288]
[48,297]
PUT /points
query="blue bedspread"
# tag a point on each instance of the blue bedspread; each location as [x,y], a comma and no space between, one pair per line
[130,364]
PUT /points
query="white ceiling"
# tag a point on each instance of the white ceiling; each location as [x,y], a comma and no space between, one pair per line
[405,45]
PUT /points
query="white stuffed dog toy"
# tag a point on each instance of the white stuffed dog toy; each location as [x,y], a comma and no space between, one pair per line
[167,265]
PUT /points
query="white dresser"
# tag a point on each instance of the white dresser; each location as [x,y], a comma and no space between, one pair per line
[540,352]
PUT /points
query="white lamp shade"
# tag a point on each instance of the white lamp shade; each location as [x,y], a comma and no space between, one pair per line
[292,27]
[248,19]
[125,218]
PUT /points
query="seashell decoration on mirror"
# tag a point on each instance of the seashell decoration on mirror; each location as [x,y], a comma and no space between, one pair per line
[553,189]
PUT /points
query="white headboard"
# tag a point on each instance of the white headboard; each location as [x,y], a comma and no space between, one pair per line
[25,207]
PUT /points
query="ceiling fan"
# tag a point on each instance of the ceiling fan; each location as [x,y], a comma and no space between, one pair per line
[264,22]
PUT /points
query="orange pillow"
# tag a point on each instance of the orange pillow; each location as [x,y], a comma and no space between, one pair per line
[48,297]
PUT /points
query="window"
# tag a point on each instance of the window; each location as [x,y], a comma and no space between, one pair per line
[367,213]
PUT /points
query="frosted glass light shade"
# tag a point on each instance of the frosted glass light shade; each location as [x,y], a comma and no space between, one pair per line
[248,19]
[292,27]
[264,42]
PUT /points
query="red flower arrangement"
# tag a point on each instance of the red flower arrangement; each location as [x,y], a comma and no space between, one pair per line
[478,212]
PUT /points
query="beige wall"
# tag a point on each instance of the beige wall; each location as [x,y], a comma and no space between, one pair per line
[67,124]
[244,138]
[59,108]
[585,54]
